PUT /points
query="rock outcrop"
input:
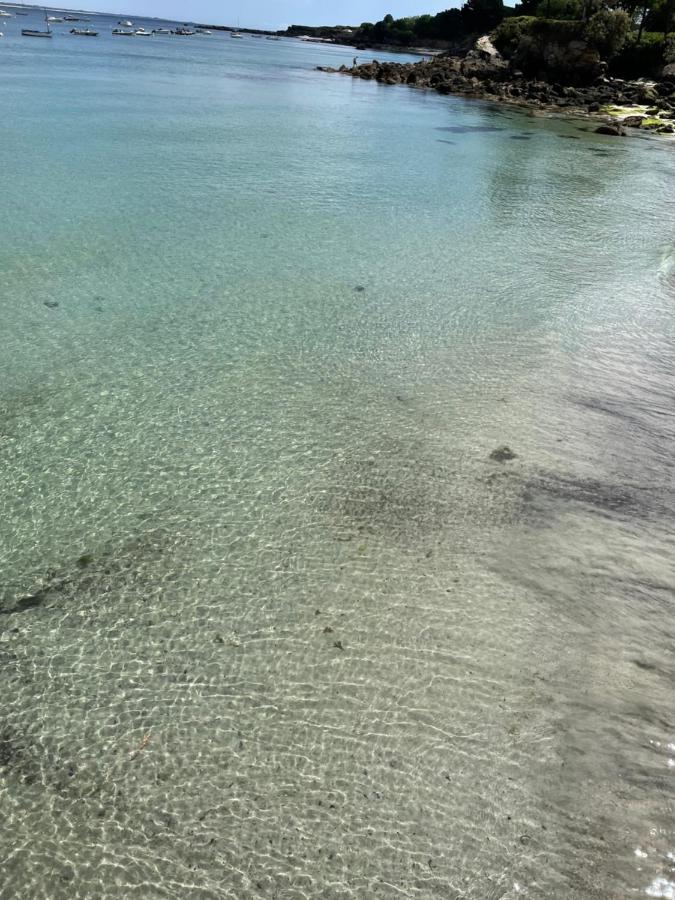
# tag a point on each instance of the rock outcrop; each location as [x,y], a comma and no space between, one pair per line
[484,73]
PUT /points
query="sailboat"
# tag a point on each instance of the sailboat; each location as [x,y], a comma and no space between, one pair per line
[35,32]
[237,33]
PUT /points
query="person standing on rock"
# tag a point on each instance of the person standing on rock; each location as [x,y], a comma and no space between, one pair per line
[354,61]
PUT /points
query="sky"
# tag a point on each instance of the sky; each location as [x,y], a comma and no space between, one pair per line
[269,14]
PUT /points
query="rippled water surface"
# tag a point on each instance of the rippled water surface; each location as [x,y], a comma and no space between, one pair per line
[273,623]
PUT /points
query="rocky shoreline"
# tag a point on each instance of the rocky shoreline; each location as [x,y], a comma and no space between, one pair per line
[616,104]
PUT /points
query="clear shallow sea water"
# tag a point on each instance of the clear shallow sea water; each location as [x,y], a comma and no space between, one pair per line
[272,622]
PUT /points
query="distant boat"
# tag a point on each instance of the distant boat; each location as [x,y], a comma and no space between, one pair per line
[161,31]
[34,32]
[126,24]
[204,31]
[184,32]
[124,32]
[84,32]
[4,14]
[70,19]
[141,32]
[236,34]
[273,39]
[54,19]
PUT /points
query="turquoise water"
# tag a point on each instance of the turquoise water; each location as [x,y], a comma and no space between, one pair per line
[273,623]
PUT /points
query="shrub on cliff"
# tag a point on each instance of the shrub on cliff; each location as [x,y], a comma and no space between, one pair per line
[607,30]
[507,36]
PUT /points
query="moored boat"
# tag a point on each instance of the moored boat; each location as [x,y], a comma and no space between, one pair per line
[123,32]
[141,32]
[84,32]
[36,33]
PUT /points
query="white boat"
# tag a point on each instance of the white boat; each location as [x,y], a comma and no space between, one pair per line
[126,24]
[161,31]
[141,32]
[236,34]
[123,32]
[84,32]
[4,14]
[183,32]
[204,31]
[54,19]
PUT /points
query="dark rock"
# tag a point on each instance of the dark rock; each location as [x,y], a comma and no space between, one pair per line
[614,130]
[85,560]
[632,121]
[646,93]
[338,645]
[503,454]
[51,304]
[359,288]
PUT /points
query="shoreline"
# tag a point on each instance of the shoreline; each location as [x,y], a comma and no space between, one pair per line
[615,105]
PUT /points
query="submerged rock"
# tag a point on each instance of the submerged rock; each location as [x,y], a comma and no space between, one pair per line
[613,130]
[632,121]
[50,304]
[503,454]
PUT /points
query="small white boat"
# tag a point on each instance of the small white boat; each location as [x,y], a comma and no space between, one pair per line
[184,32]
[126,24]
[84,32]
[161,31]
[141,32]
[236,34]
[54,19]
[204,31]
[4,14]
[123,32]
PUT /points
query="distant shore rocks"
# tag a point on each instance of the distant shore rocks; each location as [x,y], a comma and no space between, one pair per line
[484,74]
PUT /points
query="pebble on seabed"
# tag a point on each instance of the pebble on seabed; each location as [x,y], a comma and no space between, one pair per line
[503,454]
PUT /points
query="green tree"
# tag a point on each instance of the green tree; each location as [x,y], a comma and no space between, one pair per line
[607,30]
[482,15]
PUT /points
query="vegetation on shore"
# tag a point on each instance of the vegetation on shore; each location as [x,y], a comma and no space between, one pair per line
[634,37]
